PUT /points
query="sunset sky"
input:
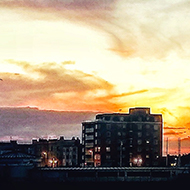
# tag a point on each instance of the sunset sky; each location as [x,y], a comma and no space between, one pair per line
[100,56]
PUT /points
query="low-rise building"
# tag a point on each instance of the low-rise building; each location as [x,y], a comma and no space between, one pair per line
[58,152]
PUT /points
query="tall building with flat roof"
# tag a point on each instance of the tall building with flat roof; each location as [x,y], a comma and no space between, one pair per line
[123,139]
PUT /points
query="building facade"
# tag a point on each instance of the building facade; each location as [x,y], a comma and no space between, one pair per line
[58,152]
[123,139]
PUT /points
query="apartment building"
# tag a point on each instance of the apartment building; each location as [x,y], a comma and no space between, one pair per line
[123,139]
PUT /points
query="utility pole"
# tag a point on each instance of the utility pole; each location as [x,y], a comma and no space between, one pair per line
[121,147]
[179,152]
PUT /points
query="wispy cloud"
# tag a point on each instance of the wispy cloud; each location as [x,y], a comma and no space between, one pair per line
[151,29]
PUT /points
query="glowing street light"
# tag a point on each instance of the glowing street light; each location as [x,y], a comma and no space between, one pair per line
[53,162]
[137,161]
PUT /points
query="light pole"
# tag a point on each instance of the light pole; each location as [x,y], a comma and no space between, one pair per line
[121,146]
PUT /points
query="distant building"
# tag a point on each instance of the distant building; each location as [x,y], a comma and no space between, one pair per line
[58,152]
[123,139]
[13,146]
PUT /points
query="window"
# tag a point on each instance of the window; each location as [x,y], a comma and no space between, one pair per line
[97,149]
[139,118]
[89,137]
[116,118]
[89,130]
[89,144]
[139,134]
[148,126]
[121,118]
[139,149]
[108,156]
[97,157]
[147,141]
[155,127]
[107,118]
[108,141]
[139,142]
[108,126]
[108,149]
[155,142]
[108,134]
[139,126]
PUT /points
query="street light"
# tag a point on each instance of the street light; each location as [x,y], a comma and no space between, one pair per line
[137,161]
[53,162]
[92,156]
[44,157]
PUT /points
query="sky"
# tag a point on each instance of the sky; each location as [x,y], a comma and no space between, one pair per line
[98,56]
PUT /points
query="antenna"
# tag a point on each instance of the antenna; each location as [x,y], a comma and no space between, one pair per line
[167,151]
[179,146]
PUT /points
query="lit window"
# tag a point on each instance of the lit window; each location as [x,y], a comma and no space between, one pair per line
[147,142]
[97,149]
[108,149]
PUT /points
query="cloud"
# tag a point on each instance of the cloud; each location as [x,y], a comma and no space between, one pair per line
[48,85]
[172,132]
[52,85]
[151,29]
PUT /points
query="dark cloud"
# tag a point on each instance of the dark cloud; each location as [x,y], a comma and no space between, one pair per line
[28,123]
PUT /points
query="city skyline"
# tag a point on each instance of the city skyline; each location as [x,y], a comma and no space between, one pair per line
[103,56]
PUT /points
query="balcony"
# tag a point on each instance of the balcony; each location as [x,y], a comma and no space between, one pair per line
[89,130]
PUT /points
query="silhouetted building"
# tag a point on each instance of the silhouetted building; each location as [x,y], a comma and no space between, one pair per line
[13,146]
[123,139]
[58,152]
